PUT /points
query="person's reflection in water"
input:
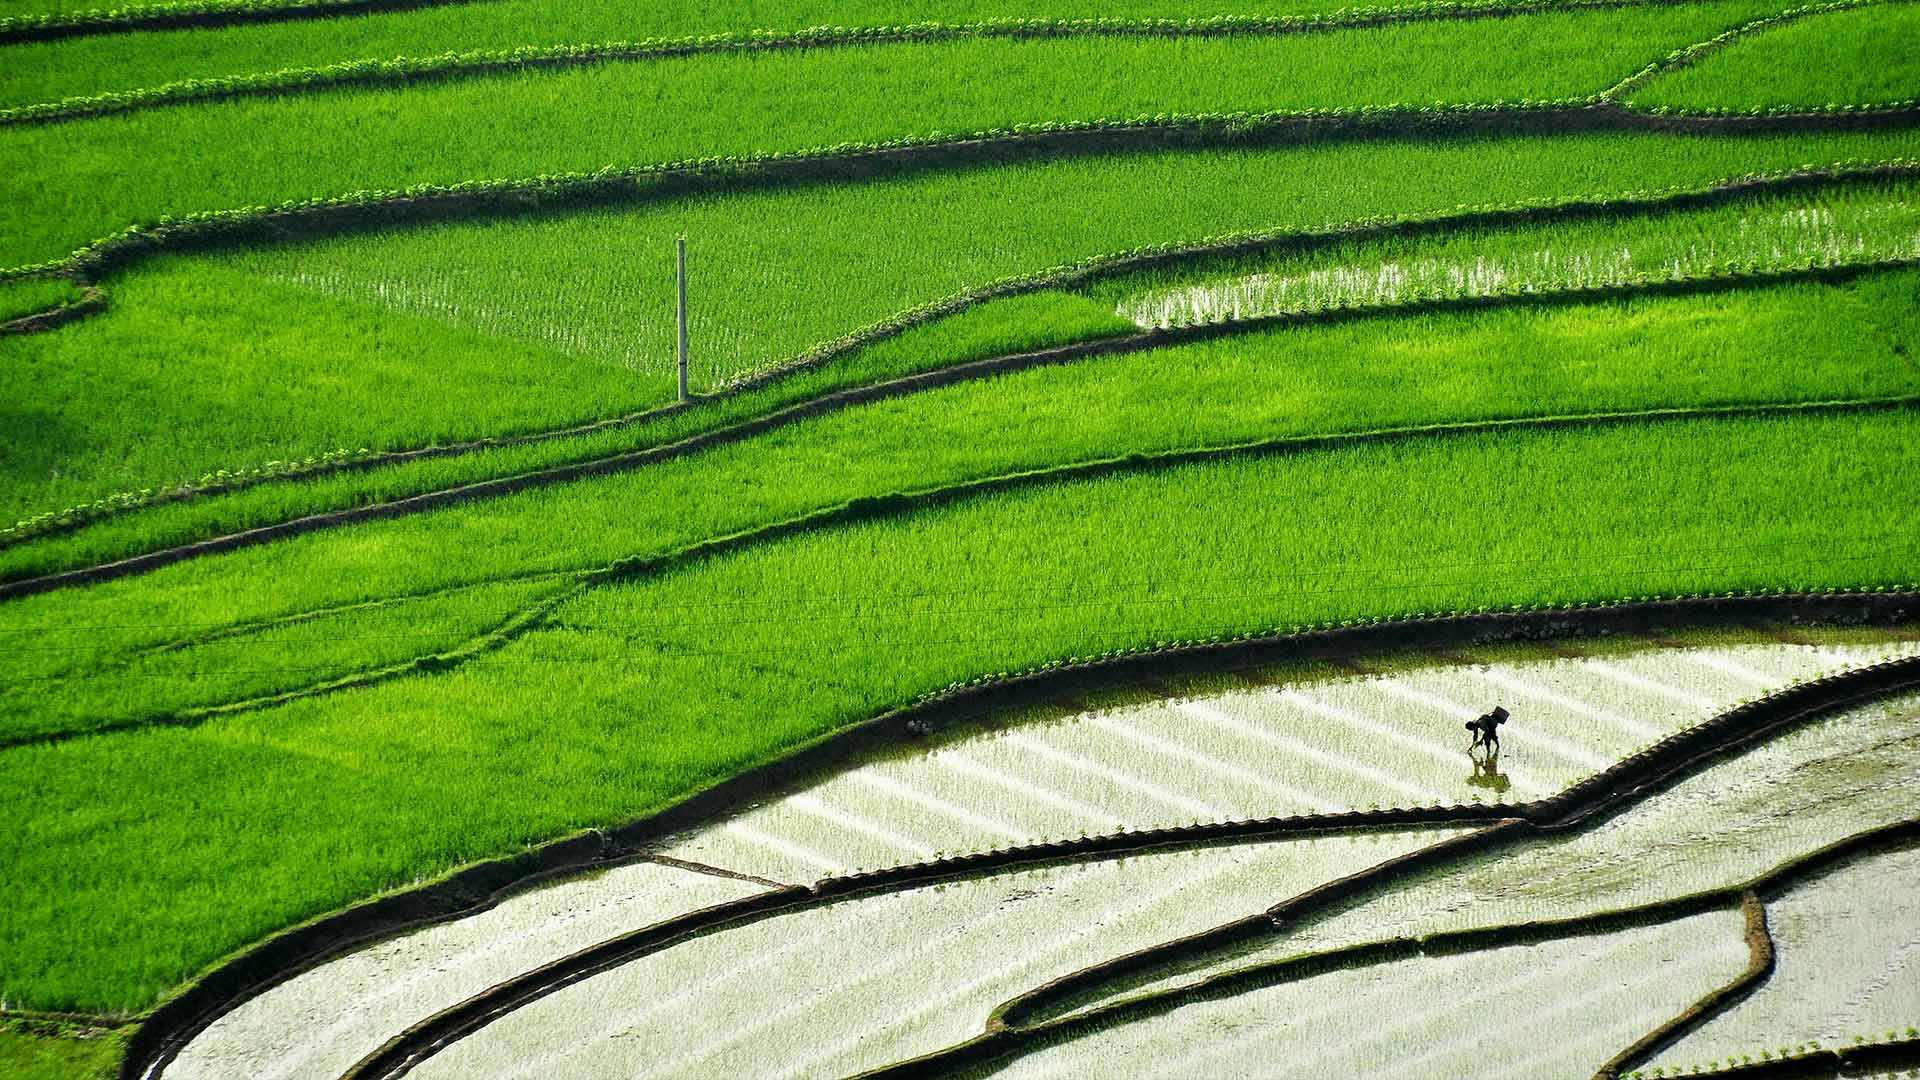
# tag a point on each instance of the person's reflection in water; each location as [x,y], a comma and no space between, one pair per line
[1486,772]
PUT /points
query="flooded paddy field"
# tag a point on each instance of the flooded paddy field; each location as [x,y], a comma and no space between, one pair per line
[836,979]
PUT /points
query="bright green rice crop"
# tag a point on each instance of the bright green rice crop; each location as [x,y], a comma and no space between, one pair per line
[118,170]
[83,658]
[1863,56]
[258,369]
[83,66]
[699,673]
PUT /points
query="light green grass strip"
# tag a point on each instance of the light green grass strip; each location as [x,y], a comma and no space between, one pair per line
[140,167]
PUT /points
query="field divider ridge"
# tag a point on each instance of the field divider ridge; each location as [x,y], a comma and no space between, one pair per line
[1516,214]
[474,888]
[400,71]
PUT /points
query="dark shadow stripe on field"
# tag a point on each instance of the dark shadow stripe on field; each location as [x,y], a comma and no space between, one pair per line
[377,209]
[531,618]
[980,369]
[1508,216]
[403,71]
[480,886]
[1626,782]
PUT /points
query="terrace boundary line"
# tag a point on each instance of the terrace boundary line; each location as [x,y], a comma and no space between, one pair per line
[1632,778]
[479,886]
[1515,215]
[402,71]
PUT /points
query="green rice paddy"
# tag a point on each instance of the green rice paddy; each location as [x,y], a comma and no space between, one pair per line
[1039,371]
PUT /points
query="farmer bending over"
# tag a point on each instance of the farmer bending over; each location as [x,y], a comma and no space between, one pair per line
[1487,729]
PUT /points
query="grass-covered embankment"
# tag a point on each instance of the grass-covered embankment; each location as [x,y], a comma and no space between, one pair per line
[120,170]
[86,659]
[257,371]
[702,671]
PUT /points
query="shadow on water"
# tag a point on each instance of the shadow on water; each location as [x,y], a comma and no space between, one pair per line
[1486,772]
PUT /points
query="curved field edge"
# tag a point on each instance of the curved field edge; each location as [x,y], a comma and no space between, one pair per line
[1626,781]
[477,886]
[407,69]
[766,385]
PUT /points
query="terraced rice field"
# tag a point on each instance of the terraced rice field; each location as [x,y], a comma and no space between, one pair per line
[1044,633]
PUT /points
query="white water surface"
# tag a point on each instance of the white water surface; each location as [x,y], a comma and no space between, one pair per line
[1333,744]
[1551,1009]
[837,989]
[318,1024]
[1847,967]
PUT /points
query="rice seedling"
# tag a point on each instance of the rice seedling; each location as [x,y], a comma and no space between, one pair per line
[120,170]
[1838,59]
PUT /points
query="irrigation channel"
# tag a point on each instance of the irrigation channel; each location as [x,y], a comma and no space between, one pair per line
[1700,844]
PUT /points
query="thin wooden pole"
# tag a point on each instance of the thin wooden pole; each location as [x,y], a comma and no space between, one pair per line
[680,249]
